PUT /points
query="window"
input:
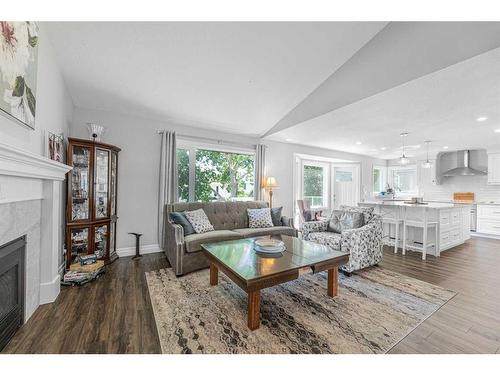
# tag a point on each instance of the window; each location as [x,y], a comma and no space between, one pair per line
[404,179]
[315,184]
[379,178]
[183,174]
[218,175]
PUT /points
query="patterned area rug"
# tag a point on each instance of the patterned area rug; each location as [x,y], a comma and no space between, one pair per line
[374,310]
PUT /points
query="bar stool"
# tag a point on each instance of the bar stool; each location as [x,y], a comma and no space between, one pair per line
[425,224]
[392,217]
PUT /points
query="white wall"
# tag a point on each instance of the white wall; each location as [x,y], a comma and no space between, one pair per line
[54,105]
[138,166]
[280,163]
[54,110]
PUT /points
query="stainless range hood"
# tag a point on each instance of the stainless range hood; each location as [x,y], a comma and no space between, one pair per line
[463,169]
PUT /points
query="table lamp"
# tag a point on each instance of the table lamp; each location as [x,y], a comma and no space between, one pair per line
[269,185]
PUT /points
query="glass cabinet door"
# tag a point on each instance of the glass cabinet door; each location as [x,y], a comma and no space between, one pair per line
[80,183]
[101,183]
[112,237]
[113,182]
[101,233]
[79,242]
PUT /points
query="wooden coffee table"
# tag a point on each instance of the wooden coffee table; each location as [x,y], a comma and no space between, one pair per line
[253,272]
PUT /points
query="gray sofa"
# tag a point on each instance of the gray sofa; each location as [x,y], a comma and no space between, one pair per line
[230,221]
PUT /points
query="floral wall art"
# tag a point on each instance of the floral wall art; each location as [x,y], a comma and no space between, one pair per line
[18,68]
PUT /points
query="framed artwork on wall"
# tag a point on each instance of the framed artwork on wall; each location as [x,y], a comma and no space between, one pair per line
[54,146]
[18,70]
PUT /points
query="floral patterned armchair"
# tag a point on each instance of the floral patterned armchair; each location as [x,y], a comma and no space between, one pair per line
[364,244]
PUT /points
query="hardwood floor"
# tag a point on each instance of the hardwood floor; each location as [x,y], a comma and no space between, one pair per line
[113,314]
[110,315]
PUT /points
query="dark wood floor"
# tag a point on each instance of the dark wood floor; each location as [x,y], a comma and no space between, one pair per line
[113,314]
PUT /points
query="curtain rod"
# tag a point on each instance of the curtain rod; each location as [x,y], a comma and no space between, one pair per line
[218,141]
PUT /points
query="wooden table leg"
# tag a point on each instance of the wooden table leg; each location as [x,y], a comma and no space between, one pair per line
[254,310]
[214,274]
[333,281]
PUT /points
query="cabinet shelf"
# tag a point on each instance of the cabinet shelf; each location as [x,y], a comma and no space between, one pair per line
[91,208]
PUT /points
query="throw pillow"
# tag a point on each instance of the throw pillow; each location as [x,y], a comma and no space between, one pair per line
[276,216]
[259,218]
[352,220]
[344,220]
[366,211]
[334,223]
[199,221]
[179,218]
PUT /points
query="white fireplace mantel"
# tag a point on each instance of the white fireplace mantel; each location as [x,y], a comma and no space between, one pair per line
[21,163]
[26,176]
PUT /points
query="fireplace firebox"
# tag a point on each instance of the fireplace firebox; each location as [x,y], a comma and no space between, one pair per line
[11,288]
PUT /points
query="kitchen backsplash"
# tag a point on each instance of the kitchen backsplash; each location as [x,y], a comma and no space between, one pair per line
[476,184]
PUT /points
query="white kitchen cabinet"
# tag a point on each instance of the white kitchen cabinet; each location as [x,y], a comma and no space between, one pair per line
[494,168]
[488,219]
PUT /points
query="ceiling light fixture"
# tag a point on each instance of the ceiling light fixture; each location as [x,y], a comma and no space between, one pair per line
[427,164]
[289,139]
[497,130]
[445,147]
[482,118]
[383,148]
[403,159]
[358,142]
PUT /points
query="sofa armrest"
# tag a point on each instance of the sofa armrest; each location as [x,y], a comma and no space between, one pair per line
[368,238]
[313,226]
[174,248]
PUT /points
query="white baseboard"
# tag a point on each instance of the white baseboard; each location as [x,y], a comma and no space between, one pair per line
[145,249]
[49,291]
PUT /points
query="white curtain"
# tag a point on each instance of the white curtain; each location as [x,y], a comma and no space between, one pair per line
[167,192]
[260,164]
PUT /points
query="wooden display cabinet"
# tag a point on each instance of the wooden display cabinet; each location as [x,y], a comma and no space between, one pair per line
[91,208]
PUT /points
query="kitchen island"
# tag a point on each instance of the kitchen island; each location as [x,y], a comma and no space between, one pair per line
[450,223]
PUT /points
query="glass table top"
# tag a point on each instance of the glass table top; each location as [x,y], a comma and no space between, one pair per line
[240,256]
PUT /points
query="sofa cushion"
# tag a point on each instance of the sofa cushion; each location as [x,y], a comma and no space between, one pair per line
[256,232]
[326,238]
[193,242]
[276,216]
[344,220]
[199,221]
[259,218]
[180,218]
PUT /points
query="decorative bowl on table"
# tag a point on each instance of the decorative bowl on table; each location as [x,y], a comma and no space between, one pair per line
[269,246]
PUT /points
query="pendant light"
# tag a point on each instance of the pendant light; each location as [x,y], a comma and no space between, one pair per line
[427,164]
[403,159]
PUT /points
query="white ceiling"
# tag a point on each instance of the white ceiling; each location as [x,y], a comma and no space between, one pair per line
[236,77]
[441,107]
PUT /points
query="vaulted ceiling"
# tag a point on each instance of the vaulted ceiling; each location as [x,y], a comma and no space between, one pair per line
[352,86]
[237,77]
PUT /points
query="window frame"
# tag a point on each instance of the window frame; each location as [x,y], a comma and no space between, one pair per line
[384,175]
[393,169]
[193,147]
[326,181]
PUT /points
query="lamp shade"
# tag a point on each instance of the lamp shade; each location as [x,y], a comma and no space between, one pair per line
[271,183]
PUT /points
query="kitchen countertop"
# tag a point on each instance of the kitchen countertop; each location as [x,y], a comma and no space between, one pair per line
[430,204]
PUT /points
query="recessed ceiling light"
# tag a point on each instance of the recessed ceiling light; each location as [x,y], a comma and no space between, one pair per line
[383,148]
[358,142]
[497,130]
[445,147]
[289,139]
[482,118]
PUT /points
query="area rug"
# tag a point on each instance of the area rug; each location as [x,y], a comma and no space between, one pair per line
[374,310]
